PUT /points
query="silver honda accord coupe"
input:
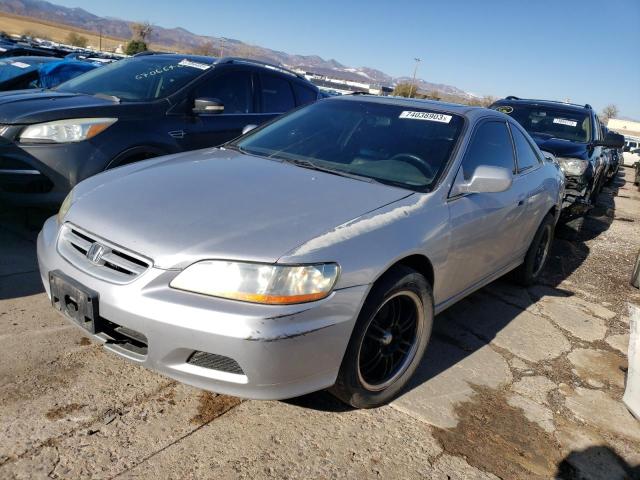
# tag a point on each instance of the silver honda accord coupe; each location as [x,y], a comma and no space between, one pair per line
[312,252]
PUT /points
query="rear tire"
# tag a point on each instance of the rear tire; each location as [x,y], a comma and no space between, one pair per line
[388,340]
[534,261]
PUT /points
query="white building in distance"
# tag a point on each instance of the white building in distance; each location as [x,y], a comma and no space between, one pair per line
[628,128]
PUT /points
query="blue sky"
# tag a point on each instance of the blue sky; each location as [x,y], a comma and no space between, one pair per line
[587,51]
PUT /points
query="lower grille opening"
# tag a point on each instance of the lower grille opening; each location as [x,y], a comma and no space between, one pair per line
[124,337]
[215,362]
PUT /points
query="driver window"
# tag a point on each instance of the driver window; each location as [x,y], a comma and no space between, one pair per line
[233,89]
[491,146]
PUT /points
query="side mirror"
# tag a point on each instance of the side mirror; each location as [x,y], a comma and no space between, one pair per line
[208,105]
[248,128]
[485,179]
[549,157]
[611,140]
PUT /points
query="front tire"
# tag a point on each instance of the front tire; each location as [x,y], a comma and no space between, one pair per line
[536,258]
[388,340]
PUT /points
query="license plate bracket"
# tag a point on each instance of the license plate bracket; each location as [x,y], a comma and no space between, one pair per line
[75,301]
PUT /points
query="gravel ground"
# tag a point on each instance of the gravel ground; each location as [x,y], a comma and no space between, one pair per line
[517,383]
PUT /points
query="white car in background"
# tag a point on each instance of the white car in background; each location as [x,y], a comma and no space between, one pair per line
[630,158]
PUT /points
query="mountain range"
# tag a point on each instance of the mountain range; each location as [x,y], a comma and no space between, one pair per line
[181,39]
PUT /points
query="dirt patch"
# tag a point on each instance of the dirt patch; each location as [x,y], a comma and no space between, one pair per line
[34,383]
[169,396]
[84,341]
[212,406]
[498,438]
[62,411]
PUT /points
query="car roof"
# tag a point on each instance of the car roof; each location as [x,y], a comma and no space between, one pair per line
[435,105]
[543,103]
[30,58]
[195,58]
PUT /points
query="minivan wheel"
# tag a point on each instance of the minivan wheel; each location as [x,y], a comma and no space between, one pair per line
[388,340]
[537,255]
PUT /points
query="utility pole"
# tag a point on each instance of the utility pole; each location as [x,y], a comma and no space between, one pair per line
[221,47]
[100,30]
[413,82]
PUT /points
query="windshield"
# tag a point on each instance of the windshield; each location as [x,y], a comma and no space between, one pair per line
[564,124]
[398,145]
[138,79]
[15,66]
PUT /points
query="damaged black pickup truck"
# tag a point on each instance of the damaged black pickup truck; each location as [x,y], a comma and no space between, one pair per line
[574,135]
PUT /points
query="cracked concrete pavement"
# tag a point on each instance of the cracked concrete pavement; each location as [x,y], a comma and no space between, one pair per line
[517,383]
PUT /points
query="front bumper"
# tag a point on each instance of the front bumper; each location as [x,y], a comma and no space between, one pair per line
[42,175]
[577,194]
[282,351]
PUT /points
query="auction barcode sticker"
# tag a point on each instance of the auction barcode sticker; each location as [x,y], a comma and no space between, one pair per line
[190,63]
[562,121]
[429,116]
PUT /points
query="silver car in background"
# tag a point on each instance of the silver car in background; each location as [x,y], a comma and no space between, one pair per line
[312,252]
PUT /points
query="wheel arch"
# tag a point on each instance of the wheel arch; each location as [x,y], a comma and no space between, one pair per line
[418,262]
[134,154]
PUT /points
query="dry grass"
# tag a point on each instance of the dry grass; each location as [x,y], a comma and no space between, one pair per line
[14,24]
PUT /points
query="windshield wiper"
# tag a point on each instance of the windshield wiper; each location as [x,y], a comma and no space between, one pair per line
[232,146]
[113,98]
[315,166]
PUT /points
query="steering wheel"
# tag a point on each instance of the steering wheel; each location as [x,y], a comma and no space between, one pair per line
[416,161]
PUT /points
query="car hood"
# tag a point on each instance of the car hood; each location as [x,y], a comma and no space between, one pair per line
[561,148]
[34,106]
[217,203]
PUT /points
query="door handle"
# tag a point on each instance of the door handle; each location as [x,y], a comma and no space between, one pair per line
[177,133]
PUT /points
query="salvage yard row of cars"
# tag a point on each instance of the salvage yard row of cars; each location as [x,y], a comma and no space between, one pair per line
[268,255]
[37,64]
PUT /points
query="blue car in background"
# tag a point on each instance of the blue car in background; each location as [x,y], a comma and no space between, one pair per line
[18,73]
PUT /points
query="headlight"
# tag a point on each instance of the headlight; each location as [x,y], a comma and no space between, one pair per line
[65,131]
[573,166]
[259,283]
[64,208]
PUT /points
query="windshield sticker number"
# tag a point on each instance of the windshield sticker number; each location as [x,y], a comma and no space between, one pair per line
[429,116]
[20,64]
[189,63]
[157,71]
[562,121]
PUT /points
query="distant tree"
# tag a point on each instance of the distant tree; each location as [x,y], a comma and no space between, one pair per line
[31,34]
[207,49]
[610,111]
[141,30]
[404,89]
[135,46]
[77,40]
[431,95]
[487,100]
[474,101]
